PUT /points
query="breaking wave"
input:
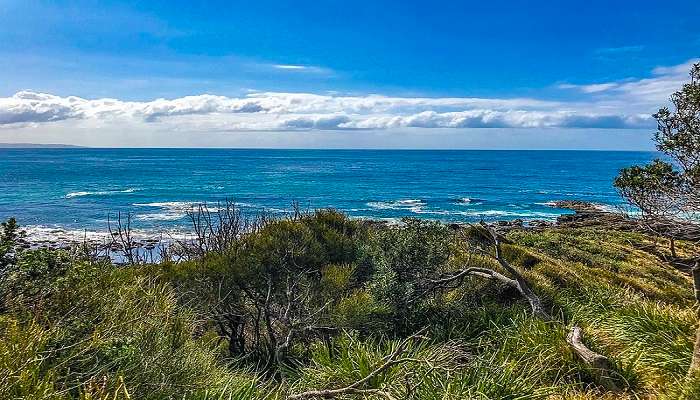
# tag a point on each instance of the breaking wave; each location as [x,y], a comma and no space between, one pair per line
[99,193]
[413,205]
[167,210]
[468,201]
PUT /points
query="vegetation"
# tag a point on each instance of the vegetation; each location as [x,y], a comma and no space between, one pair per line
[321,306]
[667,193]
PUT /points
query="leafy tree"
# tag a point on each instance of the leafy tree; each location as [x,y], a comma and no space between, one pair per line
[667,193]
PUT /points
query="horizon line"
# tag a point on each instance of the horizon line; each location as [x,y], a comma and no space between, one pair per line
[58,146]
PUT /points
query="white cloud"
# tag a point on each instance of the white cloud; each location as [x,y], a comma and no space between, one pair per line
[467,119]
[304,111]
[641,95]
[615,105]
[287,66]
[306,69]
[32,107]
[593,88]
[619,50]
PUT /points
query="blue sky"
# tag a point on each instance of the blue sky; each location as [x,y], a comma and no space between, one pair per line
[308,74]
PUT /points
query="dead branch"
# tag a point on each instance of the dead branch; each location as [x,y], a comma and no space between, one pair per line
[482,272]
[696,280]
[522,285]
[217,229]
[518,282]
[598,363]
[122,239]
[355,388]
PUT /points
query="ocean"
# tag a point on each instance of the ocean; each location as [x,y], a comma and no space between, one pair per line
[76,189]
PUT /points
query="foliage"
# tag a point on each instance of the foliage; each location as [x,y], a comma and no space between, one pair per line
[403,257]
[652,188]
[348,293]
[9,234]
[665,189]
[668,193]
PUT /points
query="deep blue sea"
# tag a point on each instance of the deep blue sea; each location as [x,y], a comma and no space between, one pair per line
[76,189]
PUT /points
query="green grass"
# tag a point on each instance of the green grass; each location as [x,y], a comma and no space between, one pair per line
[144,332]
[636,309]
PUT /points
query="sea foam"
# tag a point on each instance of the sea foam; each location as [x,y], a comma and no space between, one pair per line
[99,193]
[169,210]
[413,205]
[468,201]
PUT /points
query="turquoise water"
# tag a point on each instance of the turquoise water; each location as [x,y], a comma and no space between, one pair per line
[79,188]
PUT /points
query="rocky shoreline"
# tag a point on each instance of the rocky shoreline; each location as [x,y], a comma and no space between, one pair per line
[147,245]
[585,214]
[59,238]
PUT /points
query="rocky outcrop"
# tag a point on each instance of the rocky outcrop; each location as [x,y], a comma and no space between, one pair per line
[590,214]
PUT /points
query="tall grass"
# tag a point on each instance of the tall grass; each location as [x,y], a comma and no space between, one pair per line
[145,332]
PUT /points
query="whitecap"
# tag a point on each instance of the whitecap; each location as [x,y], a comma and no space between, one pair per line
[605,207]
[46,233]
[413,205]
[160,216]
[169,210]
[468,201]
[99,193]
[172,205]
[523,214]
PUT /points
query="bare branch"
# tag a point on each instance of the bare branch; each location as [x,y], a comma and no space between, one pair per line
[599,363]
[522,285]
[355,388]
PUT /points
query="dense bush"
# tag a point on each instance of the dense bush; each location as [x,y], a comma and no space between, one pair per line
[403,258]
[319,301]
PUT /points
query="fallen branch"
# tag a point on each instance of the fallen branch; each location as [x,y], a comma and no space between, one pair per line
[356,387]
[329,394]
[598,362]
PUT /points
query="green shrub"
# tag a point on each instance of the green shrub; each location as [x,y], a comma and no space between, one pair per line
[402,258]
[346,294]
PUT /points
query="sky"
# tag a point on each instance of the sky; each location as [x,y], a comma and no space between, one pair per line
[339,74]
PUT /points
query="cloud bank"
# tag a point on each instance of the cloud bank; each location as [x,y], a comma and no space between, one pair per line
[303,111]
[624,104]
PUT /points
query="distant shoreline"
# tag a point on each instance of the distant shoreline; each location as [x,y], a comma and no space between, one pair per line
[39,146]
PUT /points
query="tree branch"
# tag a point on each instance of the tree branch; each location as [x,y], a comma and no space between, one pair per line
[598,362]
[522,285]
[354,388]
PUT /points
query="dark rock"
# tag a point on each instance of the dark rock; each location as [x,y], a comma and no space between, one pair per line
[577,205]
[538,223]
